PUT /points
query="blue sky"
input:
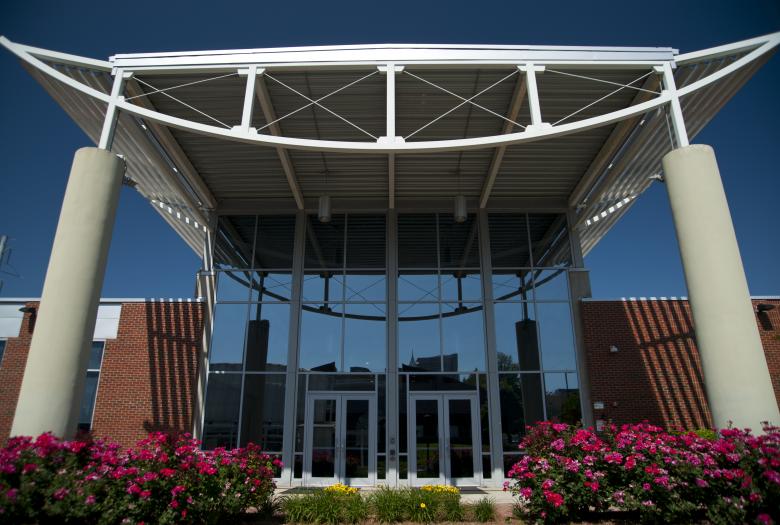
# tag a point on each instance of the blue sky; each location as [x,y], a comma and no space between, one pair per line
[639,256]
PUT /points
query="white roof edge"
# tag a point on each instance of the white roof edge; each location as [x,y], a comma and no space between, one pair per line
[670,298]
[353,47]
[113,300]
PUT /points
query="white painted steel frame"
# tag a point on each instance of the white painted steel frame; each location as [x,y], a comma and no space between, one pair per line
[455,56]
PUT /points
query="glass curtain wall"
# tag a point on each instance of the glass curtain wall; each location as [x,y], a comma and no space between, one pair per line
[248,350]
[535,347]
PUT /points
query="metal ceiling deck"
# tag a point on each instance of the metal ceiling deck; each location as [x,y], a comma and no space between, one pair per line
[186,174]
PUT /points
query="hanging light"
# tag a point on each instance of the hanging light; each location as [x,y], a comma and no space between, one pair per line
[324,209]
[460,209]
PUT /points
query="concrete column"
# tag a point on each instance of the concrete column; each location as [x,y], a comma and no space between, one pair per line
[53,384]
[736,377]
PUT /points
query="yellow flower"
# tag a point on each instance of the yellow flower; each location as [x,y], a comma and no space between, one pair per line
[422,505]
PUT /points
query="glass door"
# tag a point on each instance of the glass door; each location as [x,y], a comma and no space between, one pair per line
[445,439]
[340,439]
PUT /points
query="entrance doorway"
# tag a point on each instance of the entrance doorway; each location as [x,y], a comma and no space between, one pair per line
[340,439]
[444,439]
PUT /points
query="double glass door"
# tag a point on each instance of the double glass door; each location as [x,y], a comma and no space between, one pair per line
[340,439]
[445,439]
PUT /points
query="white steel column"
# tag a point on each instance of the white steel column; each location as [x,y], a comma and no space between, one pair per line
[736,377]
[391,395]
[670,87]
[535,108]
[109,123]
[390,70]
[53,383]
[206,291]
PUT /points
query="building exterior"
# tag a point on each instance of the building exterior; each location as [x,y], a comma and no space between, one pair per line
[392,240]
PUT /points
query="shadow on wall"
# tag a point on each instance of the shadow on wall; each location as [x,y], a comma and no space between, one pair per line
[173,331]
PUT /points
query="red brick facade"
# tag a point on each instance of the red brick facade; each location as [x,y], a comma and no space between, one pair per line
[147,377]
[655,374]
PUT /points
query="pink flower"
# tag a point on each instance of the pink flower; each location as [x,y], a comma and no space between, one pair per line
[555,499]
[145,494]
[764,518]
[29,467]
[90,500]
[560,427]
[167,472]
[558,444]
[60,494]
[178,489]
[547,484]
[592,485]
[526,492]
[11,494]
[619,497]
[174,504]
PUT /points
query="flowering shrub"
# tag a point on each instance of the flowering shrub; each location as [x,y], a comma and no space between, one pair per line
[162,480]
[569,472]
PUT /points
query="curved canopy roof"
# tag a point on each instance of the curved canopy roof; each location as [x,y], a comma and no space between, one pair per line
[395,126]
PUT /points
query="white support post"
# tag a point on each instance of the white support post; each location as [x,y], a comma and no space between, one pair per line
[391,395]
[109,123]
[390,137]
[678,122]
[532,90]
[249,98]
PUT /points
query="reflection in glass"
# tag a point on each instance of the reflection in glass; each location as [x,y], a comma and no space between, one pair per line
[366,241]
[402,415]
[418,286]
[458,242]
[95,355]
[417,241]
[362,286]
[234,241]
[509,240]
[365,345]
[220,423]
[512,285]
[419,347]
[325,242]
[356,439]
[521,405]
[320,341]
[461,445]
[557,338]
[549,239]
[233,286]
[461,286]
[517,344]
[88,401]
[227,340]
[562,397]
[464,340]
[341,382]
[268,332]
[427,438]
[323,285]
[323,452]
[551,285]
[442,382]
[484,416]
[274,241]
[271,286]
[262,420]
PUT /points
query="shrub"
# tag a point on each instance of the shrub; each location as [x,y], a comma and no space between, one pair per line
[335,504]
[162,480]
[390,505]
[483,510]
[568,472]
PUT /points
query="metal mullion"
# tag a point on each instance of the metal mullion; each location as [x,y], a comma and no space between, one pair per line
[243,375]
[291,383]
[344,290]
[493,387]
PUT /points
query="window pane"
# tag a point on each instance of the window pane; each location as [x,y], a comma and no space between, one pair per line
[517,344]
[509,240]
[233,286]
[268,334]
[556,334]
[88,402]
[325,242]
[417,241]
[320,341]
[365,346]
[461,286]
[366,241]
[95,355]
[262,419]
[563,399]
[464,336]
[418,286]
[274,241]
[549,239]
[521,405]
[271,286]
[345,382]
[362,286]
[323,286]
[2,350]
[512,285]
[551,285]
[233,245]
[442,382]
[458,242]
[227,340]
[418,337]
[220,424]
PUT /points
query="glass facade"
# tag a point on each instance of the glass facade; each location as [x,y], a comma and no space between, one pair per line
[303,324]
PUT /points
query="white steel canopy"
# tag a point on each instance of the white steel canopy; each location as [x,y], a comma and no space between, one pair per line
[396,126]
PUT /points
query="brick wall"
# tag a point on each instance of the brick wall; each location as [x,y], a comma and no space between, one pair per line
[147,378]
[656,374]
